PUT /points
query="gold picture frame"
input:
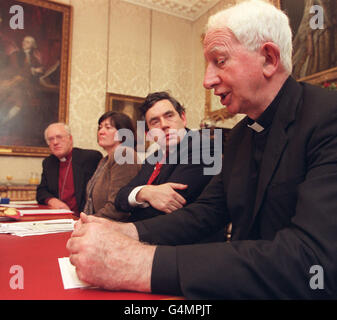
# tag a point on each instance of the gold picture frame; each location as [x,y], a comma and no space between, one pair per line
[130,106]
[220,114]
[34,73]
[126,104]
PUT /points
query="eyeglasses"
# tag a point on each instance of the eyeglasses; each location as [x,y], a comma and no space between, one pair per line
[57,138]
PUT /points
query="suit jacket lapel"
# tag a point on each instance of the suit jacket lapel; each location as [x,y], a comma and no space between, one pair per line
[53,168]
[77,175]
[278,139]
[276,143]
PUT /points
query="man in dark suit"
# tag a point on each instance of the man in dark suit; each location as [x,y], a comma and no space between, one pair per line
[278,185]
[163,185]
[66,172]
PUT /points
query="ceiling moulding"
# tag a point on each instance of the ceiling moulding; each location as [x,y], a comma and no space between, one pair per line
[186,9]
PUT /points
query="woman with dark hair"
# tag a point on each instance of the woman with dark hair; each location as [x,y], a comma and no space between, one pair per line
[112,172]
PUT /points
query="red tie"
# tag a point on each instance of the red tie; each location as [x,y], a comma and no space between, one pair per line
[155,172]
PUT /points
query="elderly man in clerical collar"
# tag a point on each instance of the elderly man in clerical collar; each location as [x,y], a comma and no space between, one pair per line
[65,172]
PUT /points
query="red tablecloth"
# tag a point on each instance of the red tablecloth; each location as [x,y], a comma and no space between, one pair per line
[38,256]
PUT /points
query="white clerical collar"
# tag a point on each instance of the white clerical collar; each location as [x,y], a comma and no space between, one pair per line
[67,157]
[256,127]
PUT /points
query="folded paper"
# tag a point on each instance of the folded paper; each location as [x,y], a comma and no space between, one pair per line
[69,276]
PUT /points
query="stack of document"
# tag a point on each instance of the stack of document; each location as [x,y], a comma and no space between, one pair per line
[31,228]
[24,211]
[34,212]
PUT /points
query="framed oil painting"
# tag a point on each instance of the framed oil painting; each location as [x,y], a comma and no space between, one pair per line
[130,106]
[34,73]
[126,104]
[314,26]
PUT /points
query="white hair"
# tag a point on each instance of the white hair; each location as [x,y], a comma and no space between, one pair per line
[32,39]
[255,22]
[64,125]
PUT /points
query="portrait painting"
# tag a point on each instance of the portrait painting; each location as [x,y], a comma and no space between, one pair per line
[130,106]
[34,63]
[314,28]
[125,104]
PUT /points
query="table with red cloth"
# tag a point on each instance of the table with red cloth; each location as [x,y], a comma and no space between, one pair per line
[38,256]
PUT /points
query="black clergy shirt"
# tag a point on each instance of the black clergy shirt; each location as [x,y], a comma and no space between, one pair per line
[165,278]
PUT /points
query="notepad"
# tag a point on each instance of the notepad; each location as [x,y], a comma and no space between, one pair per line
[32,228]
[69,276]
[26,212]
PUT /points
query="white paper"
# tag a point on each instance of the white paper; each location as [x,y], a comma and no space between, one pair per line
[69,276]
[24,202]
[44,211]
[31,228]
[15,205]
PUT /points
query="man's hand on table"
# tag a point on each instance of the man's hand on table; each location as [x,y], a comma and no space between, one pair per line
[107,254]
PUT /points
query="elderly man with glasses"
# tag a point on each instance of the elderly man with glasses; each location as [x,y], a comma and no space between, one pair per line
[66,171]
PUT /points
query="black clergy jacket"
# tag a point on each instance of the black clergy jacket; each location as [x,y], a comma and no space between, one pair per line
[292,226]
